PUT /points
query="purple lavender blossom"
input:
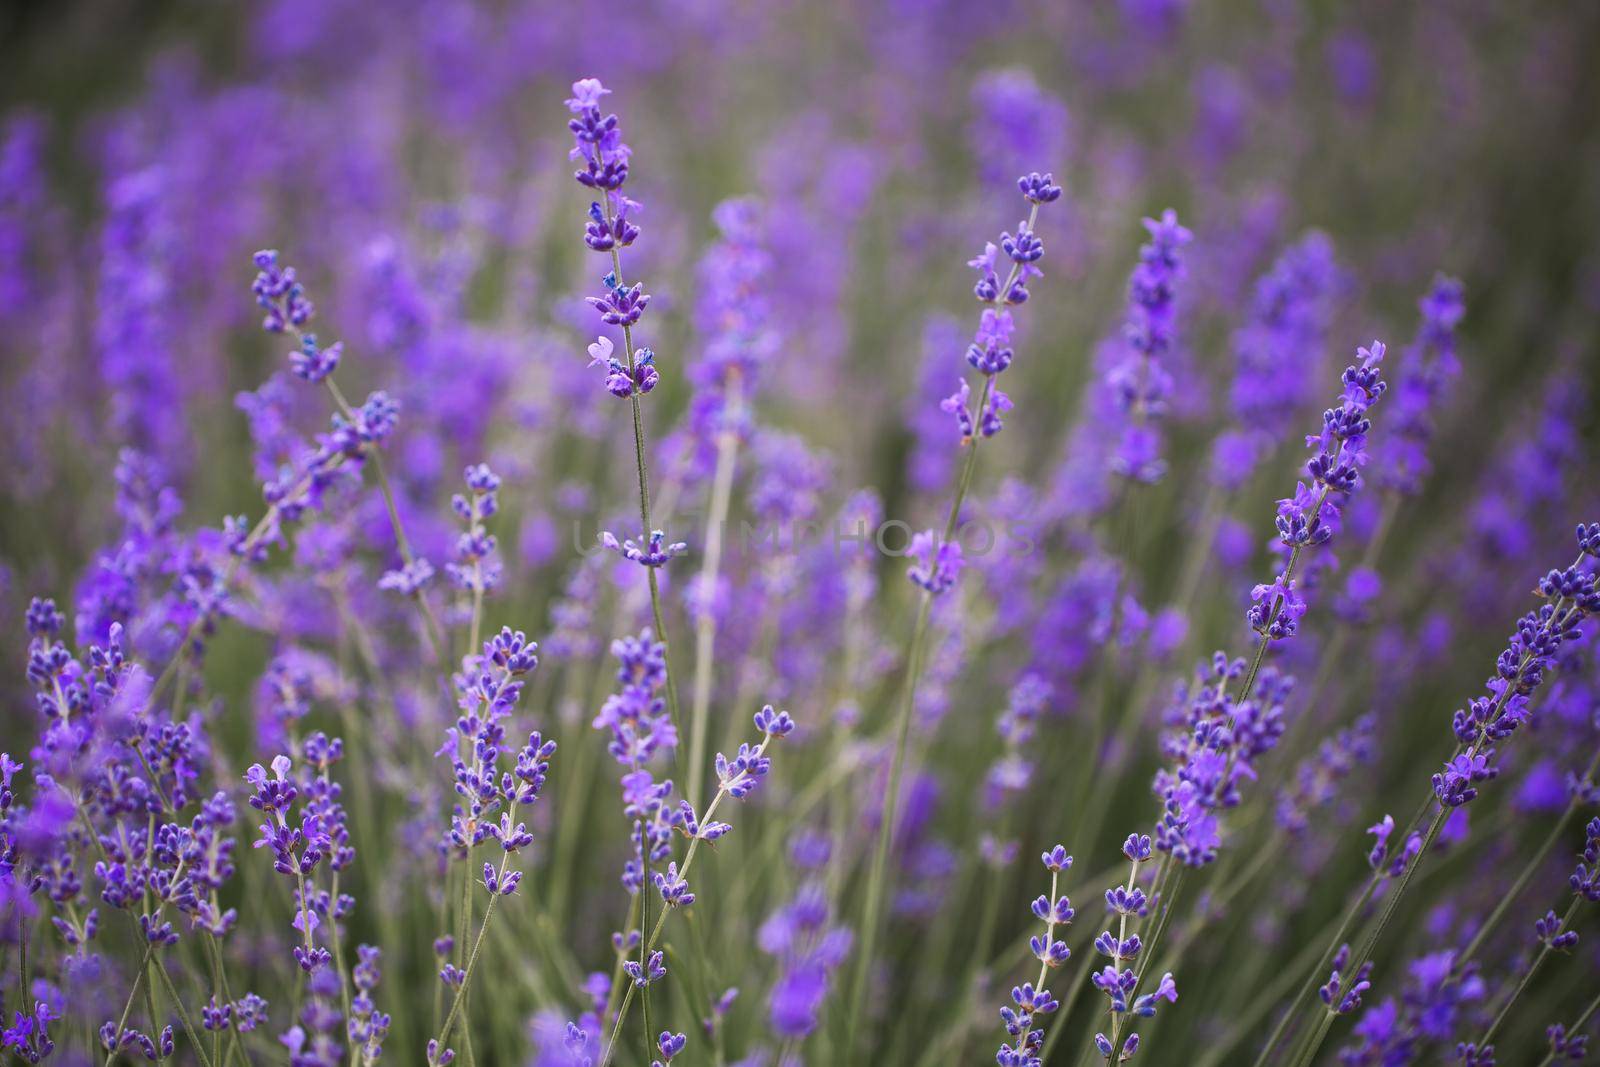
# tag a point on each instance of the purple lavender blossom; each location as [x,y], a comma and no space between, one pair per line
[1141,382]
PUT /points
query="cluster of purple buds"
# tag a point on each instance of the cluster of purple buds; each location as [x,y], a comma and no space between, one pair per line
[300,484]
[177,865]
[474,570]
[737,777]
[156,1048]
[301,845]
[603,156]
[990,352]
[1428,368]
[1311,516]
[244,1014]
[1396,865]
[938,563]
[1570,594]
[653,970]
[1119,983]
[1317,781]
[640,725]
[1011,774]
[1213,745]
[636,714]
[1140,382]
[652,551]
[991,421]
[29,1038]
[1028,1001]
[283,297]
[1342,993]
[488,688]
[368,1026]
[1585,878]
[669,1044]
[409,579]
[622,305]
[620,381]
[280,294]
[808,947]
[602,234]
[1550,931]
[597,138]
[1565,1046]
[1291,307]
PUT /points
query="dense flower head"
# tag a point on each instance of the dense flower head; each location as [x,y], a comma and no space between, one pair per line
[316,841]
[1428,368]
[1213,742]
[279,293]
[1570,594]
[938,563]
[597,139]
[990,352]
[1140,382]
[1311,516]
[474,568]
[809,946]
[493,777]
[640,729]
[1279,355]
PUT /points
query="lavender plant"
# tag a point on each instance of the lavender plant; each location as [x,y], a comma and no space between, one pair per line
[345,595]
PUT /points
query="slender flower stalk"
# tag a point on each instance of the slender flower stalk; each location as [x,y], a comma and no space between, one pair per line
[604,159]
[489,686]
[733,274]
[288,310]
[737,778]
[1217,738]
[1570,594]
[1033,999]
[939,562]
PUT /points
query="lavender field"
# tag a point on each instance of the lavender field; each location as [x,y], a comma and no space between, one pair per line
[778,533]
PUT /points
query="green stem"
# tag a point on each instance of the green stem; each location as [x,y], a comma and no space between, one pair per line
[706,621]
[644,489]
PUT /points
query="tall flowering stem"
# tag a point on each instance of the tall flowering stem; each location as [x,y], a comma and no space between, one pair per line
[603,157]
[1217,737]
[490,686]
[1570,593]
[733,273]
[939,562]
[737,778]
[288,310]
[1033,999]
